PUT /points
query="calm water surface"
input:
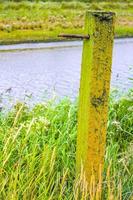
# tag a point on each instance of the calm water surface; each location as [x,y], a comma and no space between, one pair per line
[42,70]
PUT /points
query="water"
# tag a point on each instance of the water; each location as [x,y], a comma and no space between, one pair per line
[44,69]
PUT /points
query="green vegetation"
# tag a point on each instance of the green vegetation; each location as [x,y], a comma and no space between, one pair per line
[43,21]
[37,152]
[67,1]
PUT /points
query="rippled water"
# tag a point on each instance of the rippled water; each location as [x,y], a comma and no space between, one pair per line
[41,70]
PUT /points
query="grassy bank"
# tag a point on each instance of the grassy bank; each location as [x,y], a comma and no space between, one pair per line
[43,21]
[37,152]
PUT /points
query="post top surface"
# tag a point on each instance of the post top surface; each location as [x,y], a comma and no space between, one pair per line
[102,15]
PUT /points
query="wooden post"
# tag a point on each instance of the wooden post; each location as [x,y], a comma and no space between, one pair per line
[94,92]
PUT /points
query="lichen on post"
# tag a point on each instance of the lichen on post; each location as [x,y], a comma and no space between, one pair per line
[94,92]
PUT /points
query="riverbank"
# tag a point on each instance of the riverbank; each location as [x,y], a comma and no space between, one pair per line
[37,152]
[42,22]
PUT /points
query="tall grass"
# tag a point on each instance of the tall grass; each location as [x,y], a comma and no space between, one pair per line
[37,153]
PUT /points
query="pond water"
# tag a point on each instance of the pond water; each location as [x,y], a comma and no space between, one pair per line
[46,69]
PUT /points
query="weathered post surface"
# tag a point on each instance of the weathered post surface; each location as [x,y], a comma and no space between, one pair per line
[94,92]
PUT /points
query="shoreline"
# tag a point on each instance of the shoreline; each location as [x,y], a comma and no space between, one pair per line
[3,43]
[40,45]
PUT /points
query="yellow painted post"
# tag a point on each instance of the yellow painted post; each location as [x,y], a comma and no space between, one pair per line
[94,92]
